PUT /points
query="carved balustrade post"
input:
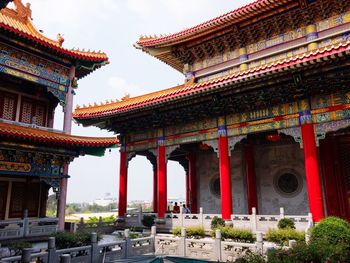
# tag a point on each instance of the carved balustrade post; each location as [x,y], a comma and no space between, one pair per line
[182,245]
[51,250]
[217,245]
[26,255]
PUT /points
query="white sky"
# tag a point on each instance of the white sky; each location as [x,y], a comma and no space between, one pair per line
[113,26]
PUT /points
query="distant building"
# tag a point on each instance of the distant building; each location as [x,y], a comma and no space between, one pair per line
[105,201]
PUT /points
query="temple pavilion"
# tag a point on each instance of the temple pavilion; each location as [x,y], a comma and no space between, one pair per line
[36,75]
[262,119]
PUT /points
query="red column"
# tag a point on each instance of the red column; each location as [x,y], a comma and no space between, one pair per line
[250,177]
[162,182]
[312,171]
[123,184]
[225,178]
[193,182]
[155,189]
[187,187]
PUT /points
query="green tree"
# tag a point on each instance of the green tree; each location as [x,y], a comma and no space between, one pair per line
[51,205]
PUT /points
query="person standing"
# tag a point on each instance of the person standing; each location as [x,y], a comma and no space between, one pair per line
[176,208]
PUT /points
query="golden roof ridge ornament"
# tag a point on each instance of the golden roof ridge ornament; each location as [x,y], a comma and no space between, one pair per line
[60,39]
[23,11]
[126,97]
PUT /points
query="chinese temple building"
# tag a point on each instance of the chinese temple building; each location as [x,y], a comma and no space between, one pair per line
[262,119]
[37,74]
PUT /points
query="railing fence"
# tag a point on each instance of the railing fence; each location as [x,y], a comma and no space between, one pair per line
[214,249]
[27,227]
[253,221]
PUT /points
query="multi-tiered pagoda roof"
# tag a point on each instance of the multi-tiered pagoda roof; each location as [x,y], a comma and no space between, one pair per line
[18,24]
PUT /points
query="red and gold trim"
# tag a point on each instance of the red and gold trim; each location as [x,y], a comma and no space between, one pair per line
[44,136]
[246,12]
[179,92]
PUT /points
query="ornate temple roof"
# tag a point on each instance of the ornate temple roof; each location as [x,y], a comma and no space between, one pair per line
[182,91]
[9,130]
[19,22]
[161,46]
[243,13]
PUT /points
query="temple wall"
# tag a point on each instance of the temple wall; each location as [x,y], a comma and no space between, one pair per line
[208,171]
[270,162]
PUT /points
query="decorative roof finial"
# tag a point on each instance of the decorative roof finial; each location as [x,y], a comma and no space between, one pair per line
[126,97]
[23,11]
[60,39]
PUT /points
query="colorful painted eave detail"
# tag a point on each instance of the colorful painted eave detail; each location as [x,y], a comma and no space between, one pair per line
[311,57]
[55,138]
[253,9]
[19,22]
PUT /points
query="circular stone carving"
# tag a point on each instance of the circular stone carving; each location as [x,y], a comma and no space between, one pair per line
[215,186]
[288,183]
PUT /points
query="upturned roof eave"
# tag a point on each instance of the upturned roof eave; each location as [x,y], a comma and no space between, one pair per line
[84,114]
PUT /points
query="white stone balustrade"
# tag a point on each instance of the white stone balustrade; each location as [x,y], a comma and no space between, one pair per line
[27,227]
[254,222]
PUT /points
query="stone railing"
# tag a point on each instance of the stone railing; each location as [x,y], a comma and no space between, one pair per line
[105,227]
[254,222]
[27,227]
[212,249]
[93,253]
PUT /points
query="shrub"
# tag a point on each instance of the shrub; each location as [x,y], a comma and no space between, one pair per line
[109,218]
[236,234]
[286,223]
[95,219]
[92,219]
[148,220]
[280,255]
[282,236]
[332,230]
[176,231]
[68,240]
[331,239]
[217,222]
[251,258]
[84,238]
[134,235]
[309,253]
[16,247]
[195,232]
